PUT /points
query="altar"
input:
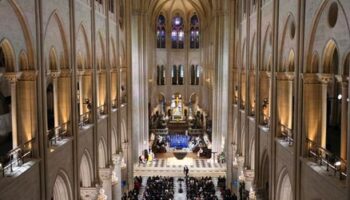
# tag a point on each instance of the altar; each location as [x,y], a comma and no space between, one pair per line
[177,108]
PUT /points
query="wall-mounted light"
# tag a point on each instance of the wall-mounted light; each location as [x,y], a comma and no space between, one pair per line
[340,97]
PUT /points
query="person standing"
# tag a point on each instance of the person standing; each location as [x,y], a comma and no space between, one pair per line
[186,170]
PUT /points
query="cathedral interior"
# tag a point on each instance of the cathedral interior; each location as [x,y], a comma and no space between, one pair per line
[174,99]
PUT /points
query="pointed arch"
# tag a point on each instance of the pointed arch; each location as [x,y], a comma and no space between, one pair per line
[114,141]
[112,57]
[82,38]
[330,60]
[284,187]
[315,24]
[267,49]
[102,153]
[253,51]
[62,189]
[53,60]
[55,18]
[100,51]
[8,56]
[86,170]
[23,61]
[26,33]
[287,26]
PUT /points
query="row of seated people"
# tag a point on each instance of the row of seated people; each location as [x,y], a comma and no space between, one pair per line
[133,194]
[159,188]
[200,188]
[226,194]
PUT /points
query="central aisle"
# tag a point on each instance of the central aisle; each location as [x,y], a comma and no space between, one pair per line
[177,195]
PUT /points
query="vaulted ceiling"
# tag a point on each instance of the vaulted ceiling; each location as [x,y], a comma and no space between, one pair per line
[203,8]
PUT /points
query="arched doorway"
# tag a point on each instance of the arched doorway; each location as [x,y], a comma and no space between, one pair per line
[332,140]
[61,189]
[102,156]
[284,187]
[5,108]
[265,176]
[86,176]
[252,155]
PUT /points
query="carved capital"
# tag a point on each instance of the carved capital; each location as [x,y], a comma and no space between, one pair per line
[66,73]
[325,78]
[29,75]
[285,76]
[54,74]
[12,77]
[105,174]
[310,78]
[265,74]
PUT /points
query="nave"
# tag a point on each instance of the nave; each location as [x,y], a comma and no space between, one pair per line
[179,188]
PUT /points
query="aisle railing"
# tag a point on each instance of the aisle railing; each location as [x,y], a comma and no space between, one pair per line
[323,156]
[16,157]
[58,133]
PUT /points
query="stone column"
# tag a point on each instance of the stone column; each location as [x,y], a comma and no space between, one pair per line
[12,78]
[54,76]
[81,94]
[106,178]
[116,178]
[324,80]
[344,120]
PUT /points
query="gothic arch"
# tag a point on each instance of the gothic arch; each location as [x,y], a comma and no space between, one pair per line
[243,56]
[26,33]
[284,187]
[267,50]
[86,170]
[113,61]
[265,174]
[315,24]
[102,153]
[85,48]
[330,59]
[53,66]
[122,56]
[62,189]
[314,64]
[23,61]
[252,153]
[55,18]
[253,52]
[114,141]
[100,51]
[9,55]
[284,45]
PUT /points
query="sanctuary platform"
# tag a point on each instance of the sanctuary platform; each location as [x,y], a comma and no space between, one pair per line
[171,166]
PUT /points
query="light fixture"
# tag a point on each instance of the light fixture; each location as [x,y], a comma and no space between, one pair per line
[337,164]
[340,97]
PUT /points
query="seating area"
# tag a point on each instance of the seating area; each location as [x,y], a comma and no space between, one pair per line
[133,194]
[159,188]
[200,188]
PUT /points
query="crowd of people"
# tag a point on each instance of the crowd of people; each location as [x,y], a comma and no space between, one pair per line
[226,194]
[134,194]
[200,188]
[159,188]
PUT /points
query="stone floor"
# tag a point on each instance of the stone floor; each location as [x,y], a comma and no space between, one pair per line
[174,167]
